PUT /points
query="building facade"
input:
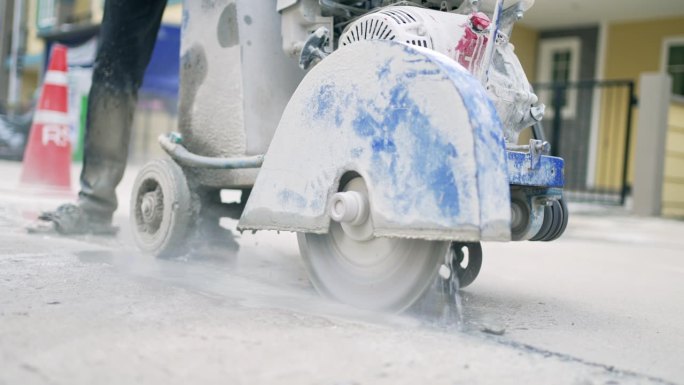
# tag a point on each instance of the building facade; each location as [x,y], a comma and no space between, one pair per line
[601,59]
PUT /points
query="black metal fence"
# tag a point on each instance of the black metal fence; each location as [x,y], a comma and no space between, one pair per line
[588,123]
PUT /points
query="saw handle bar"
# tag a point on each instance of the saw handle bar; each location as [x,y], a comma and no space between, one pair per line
[524,168]
[171,143]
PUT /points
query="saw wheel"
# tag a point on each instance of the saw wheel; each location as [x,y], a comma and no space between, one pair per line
[350,265]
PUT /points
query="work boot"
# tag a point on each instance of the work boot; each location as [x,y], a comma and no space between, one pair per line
[71,219]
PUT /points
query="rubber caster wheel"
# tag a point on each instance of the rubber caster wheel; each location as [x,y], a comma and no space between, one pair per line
[380,274]
[161,209]
[549,214]
[555,222]
[562,222]
[466,261]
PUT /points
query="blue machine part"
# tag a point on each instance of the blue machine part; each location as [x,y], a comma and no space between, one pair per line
[419,129]
[547,173]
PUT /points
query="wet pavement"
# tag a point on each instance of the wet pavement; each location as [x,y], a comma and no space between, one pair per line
[603,305]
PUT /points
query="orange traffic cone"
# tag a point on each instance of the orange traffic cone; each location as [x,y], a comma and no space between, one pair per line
[47,159]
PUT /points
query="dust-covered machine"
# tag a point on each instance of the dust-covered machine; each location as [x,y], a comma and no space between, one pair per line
[385,133]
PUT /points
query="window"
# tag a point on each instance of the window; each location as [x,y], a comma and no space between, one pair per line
[560,73]
[561,66]
[558,63]
[675,66]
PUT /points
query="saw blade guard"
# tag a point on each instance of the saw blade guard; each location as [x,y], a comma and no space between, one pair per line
[416,126]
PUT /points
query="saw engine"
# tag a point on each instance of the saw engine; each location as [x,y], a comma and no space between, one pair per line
[464,38]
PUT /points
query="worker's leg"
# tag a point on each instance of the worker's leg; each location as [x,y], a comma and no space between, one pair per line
[129,31]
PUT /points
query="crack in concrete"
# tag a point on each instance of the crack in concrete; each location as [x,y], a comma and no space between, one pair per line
[34,370]
[568,358]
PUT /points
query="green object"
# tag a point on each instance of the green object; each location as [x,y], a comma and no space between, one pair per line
[175,137]
[77,154]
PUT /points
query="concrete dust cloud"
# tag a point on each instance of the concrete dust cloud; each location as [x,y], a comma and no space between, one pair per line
[265,271]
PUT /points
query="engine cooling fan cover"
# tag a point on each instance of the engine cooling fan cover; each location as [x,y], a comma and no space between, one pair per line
[462,38]
[395,23]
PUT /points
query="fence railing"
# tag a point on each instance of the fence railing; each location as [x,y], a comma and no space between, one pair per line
[588,123]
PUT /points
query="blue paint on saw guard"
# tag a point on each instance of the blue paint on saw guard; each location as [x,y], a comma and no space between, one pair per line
[417,127]
[379,126]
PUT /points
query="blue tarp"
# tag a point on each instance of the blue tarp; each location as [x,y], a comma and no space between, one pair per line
[161,76]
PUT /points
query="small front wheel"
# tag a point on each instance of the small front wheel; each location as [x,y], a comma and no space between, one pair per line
[466,261]
[162,214]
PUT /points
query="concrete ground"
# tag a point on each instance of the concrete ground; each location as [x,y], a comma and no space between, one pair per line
[602,305]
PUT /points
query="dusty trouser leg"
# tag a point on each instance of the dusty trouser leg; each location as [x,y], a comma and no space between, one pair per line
[129,31]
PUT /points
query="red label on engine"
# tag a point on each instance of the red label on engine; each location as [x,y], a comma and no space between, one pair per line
[471,48]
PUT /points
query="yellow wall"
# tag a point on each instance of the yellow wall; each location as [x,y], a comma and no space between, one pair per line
[636,47]
[673,184]
[611,142]
[29,85]
[34,45]
[525,40]
[173,14]
[82,10]
[146,128]
[631,48]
